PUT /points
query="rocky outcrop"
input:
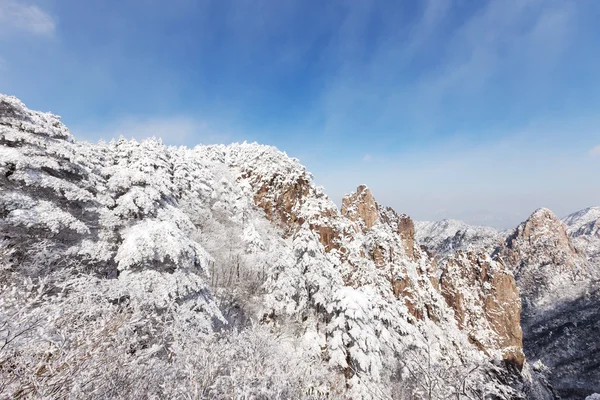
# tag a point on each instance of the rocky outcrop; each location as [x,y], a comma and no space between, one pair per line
[544,260]
[559,299]
[482,293]
[406,230]
[283,200]
[486,303]
[404,226]
[555,265]
[361,206]
[279,203]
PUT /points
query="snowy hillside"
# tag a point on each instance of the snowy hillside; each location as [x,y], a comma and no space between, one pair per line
[584,228]
[560,297]
[136,270]
[449,235]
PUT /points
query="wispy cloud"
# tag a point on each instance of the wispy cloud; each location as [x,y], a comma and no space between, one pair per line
[530,34]
[595,151]
[173,130]
[18,17]
[367,157]
[524,41]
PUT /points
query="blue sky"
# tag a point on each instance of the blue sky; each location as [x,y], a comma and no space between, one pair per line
[478,110]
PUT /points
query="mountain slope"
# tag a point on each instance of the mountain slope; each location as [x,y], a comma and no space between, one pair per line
[584,229]
[546,264]
[560,298]
[555,264]
[448,236]
[138,270]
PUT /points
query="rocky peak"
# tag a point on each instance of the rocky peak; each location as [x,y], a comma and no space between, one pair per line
[543,224]
[553,262]
[542,257]
[542,234]
[361,206]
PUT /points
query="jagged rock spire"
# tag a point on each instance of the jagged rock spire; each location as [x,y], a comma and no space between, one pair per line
[361,206]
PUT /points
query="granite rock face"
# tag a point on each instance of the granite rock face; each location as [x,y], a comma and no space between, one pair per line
[486,303]
[481,292]
[554,263]
[361,206]
[544,260]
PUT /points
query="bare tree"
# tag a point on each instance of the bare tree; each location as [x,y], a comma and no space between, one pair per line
[430,377]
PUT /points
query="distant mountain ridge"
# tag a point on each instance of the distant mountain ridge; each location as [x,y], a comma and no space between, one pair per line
[556,264]
[449,235]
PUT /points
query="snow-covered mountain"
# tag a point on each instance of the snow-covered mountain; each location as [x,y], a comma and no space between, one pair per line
[556,266]
[584,229]
[135,270]
[560,296]
[449,235]
[545,261]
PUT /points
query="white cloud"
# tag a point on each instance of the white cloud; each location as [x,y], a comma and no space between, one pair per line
[595,151]
[173,130]
[367,157]
[16,17]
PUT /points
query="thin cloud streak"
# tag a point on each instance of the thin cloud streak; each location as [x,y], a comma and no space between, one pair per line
[526,40]
[17,17]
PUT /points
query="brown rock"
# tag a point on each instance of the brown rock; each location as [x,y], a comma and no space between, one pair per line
[406,230]
[542,257]
[361,206]
[328,236]
[492,311]
[403,289]
[280,203]
[404,227]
